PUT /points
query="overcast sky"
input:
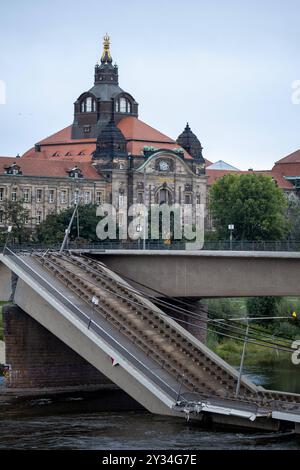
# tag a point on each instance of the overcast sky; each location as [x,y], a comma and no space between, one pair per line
[225,66]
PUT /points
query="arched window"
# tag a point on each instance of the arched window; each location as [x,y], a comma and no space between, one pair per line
[88,105]
[123,105]
[164,196]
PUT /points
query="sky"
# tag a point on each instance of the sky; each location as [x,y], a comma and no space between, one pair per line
[228,67]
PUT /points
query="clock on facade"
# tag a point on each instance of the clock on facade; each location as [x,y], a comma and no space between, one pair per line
[164,166]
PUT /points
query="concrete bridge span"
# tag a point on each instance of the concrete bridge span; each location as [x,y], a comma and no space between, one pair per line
[137,346]
[208,273]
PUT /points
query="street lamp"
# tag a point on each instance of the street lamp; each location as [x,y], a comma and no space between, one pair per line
[231,229]
[95,302]
[139,229]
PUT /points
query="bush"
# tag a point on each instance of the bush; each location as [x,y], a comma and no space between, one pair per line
[263,307]
[287,330]
[224,308]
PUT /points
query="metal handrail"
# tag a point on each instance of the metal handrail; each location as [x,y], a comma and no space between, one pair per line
[217,245]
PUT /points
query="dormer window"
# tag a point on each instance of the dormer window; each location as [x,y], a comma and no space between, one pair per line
[75,173]
[88,105]
[123,105]
[13,169]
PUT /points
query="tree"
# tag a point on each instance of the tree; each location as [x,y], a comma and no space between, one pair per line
[293,215]
[52,229]
[253,203]
[16,215]
[263,307]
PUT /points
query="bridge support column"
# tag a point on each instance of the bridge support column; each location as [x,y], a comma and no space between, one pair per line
[37,359]
[195,324]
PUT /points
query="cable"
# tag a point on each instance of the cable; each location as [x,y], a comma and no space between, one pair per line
[248,340]
[176,308]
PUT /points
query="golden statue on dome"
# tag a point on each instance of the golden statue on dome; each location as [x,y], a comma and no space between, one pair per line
[106,56]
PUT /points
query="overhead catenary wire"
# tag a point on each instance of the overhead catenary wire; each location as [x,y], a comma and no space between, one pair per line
[182,310]
[250,340]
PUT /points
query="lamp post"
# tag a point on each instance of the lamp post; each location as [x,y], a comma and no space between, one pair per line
[95,302]
[139,229]
[231,229]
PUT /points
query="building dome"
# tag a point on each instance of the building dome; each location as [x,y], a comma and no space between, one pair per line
[190,142]
[110,142]
[93,108]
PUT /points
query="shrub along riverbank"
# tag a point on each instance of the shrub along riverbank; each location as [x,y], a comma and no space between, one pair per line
[279,331]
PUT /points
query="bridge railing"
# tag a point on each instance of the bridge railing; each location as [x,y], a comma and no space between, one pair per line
[217,245]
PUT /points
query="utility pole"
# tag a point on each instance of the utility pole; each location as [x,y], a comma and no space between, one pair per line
[242,362]
[68,230]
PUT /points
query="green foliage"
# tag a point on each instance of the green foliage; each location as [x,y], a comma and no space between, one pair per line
[16,215]
[224,308]
[231,350]
[212,340]
[293,215]
[287,330]
[263,307]
[52,229]
[252,203]
[211,236]
[288,305]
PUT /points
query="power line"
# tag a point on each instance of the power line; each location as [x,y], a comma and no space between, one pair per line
[258,341]
[182,310]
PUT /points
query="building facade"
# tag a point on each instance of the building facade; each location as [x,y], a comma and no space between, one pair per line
[106,155]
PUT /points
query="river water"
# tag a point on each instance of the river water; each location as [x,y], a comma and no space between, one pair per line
[43,424]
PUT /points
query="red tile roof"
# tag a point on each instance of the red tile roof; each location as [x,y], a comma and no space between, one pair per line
[214,175]
[134,129]
[292,158]
[36,167]
[62,137]
[137,133]
[287,166]
[70,152]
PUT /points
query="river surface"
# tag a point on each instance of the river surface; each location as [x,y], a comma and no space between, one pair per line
[44,424]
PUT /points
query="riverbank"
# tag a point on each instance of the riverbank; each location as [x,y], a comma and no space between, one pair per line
[226,338]
[231,350]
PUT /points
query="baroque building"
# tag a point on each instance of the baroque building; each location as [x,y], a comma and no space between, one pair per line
[107,155]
